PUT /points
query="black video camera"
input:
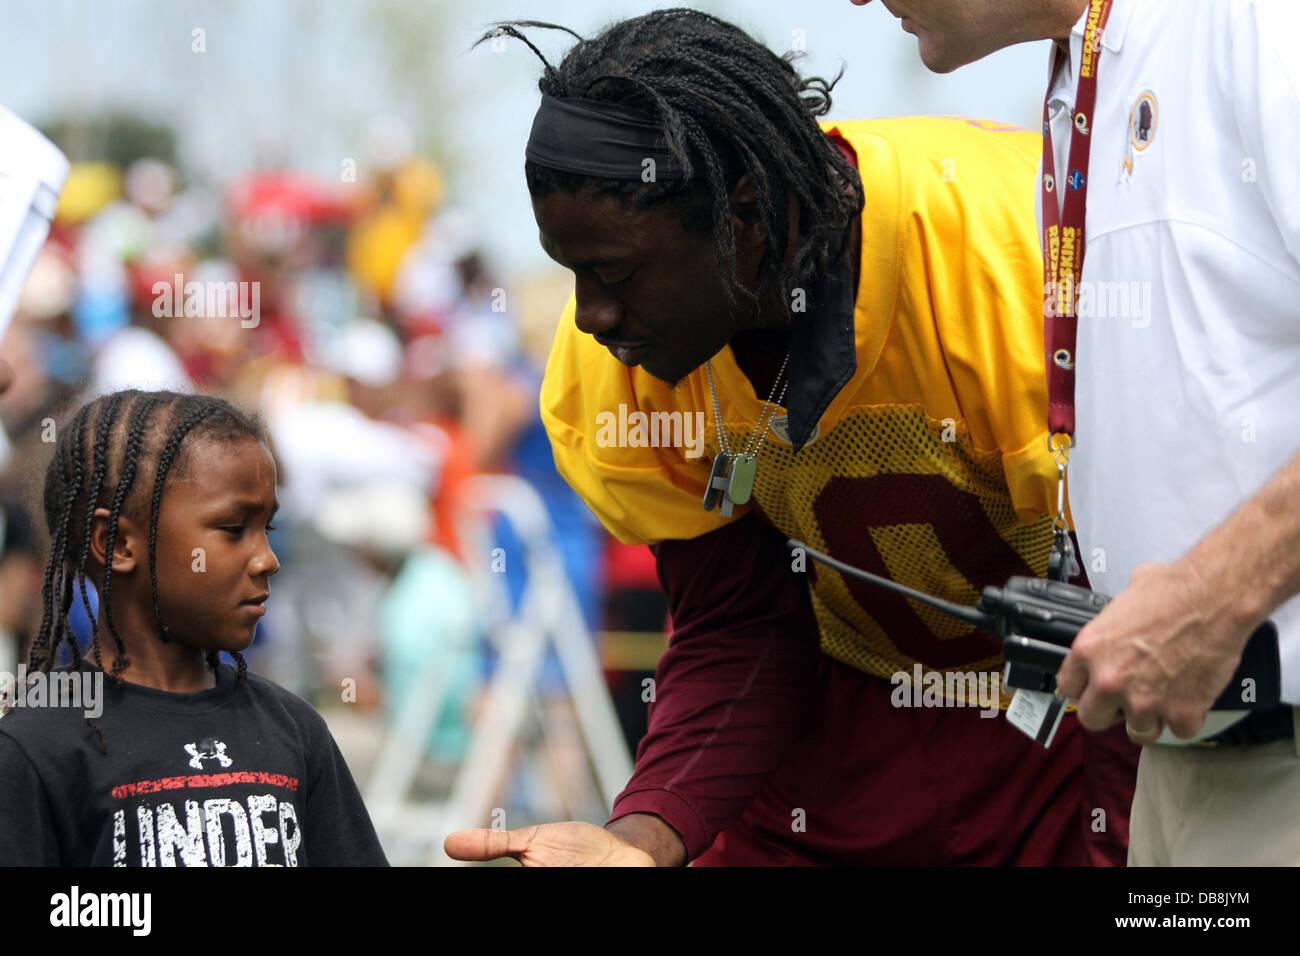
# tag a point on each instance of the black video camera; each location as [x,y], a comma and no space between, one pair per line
[1037,620]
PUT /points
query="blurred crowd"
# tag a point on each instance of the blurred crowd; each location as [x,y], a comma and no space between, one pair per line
[363,321]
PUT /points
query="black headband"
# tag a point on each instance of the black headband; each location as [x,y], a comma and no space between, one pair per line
[599,139]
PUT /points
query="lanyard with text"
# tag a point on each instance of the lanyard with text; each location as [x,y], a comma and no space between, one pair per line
[1063,248]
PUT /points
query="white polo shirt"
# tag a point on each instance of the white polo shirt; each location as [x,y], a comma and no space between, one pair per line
[1188,399]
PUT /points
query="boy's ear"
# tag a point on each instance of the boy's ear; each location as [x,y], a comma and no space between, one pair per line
[128,546]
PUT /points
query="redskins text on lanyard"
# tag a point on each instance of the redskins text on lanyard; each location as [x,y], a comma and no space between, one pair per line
[1063,248]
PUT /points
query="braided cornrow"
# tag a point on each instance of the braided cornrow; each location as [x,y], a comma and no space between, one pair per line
[729,107]
[130,452]
[104,423]
[60,493]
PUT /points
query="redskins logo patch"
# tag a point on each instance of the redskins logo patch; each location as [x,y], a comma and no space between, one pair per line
[1141,131]
[1142,121]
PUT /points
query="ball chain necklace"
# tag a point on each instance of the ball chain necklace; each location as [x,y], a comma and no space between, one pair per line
[732,478]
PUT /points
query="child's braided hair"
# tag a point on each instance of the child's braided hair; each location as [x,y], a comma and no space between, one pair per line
[100,453]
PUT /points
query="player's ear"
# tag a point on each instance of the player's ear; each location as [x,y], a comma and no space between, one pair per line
[127,544]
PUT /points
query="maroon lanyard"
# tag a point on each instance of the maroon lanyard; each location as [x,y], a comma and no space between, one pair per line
[1063,246]
[1063,238]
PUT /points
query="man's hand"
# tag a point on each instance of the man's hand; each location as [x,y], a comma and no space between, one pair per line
[550,844]
[1159,654]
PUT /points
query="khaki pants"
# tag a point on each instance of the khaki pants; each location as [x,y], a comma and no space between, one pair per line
[1217,806]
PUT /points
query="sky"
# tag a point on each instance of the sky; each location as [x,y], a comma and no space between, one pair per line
[304,81]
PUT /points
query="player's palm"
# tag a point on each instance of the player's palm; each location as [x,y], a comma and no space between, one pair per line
[549,844]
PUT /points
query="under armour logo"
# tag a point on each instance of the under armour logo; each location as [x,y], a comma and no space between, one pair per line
[207,749]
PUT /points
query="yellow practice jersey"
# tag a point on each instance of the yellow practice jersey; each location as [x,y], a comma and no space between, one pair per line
[929,466]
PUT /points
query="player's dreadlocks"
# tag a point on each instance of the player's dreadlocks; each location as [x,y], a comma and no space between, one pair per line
[729,106]
[99,454]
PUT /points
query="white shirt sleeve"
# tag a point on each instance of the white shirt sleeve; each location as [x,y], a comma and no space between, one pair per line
[1264,78]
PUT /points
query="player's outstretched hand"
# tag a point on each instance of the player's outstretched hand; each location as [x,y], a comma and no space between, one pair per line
[550,844]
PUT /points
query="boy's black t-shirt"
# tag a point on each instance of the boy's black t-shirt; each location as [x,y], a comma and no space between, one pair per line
[237,775]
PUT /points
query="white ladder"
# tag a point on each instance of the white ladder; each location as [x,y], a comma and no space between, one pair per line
[548,615]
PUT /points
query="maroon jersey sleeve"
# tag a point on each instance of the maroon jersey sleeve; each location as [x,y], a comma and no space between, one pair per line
[735,686]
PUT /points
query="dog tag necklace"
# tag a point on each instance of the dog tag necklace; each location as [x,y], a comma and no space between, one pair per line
[732,477]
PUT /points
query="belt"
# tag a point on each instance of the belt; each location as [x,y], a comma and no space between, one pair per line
[1260,727]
